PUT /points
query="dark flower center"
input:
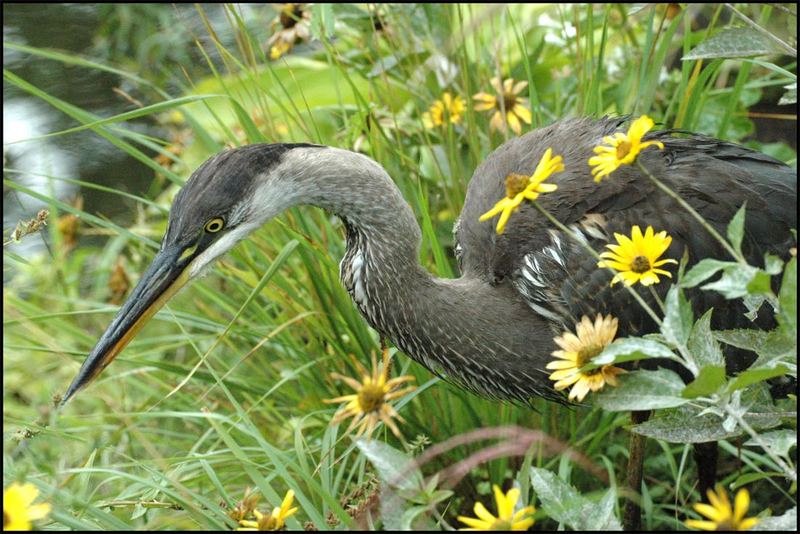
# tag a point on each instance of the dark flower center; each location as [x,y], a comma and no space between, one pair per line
[623,148]
[516,184]
[509,101]
[586,354]
[640,264]
[291,15]
[370,398]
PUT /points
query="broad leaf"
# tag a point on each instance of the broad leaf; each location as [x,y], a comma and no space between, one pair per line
[563,503]
[702,345]
[703,270]
[788,298]
[780,441]
[643,390]
[686,425]
[734,43]
[782,523]
[742,338]
[736,229]
[559,500]
[628,349]
[710,379]
[678,317]
[751,376]
[393,466]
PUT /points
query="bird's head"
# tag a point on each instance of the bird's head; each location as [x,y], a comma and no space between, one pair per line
[228,197]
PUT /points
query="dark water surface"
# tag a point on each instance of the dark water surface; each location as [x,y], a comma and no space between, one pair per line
[83,155]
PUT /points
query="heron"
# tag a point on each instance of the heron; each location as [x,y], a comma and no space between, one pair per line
[491,329]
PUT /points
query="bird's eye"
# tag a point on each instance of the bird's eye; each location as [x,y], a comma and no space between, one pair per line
[214,225]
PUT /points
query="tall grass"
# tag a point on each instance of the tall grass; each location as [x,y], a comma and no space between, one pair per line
[225,389]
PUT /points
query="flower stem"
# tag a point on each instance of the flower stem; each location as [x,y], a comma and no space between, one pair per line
[591,251]
[675,196]
[788,471]
[658,300]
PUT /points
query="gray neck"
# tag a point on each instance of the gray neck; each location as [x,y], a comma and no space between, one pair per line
[473,333]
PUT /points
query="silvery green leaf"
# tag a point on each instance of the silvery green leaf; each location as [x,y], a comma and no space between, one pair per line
[685,424]
[780,441]
[782,523]
[734,43]
[703,270]
[729,423]
[630,348]
[643,390]
[710,379]
[678,317]
[702,345]
[790,96]
[393,466]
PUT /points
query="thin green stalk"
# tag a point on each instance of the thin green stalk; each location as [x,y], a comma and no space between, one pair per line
[658,300]
[738,257]
[788,471]
[591,251]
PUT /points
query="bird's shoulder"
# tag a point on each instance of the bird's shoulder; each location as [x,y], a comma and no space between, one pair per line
[555,273]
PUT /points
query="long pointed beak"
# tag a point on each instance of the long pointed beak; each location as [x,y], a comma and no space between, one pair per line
[166,275]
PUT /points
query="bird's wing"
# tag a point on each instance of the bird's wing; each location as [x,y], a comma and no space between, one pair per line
[554,273]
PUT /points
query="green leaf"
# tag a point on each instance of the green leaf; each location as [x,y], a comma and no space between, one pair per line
[749,478]
[678,318]
[703,270]
[790,96]
[772,264]
[708,381]
[779,347]
[601,516]
[736,229]
[751,376]
[559,500]
[702,345]
[393,466]
[734,43]
[627,349]
[734,282]
[788,299]
[780,441]
[782,523]
[742,338]
[643,390]
[563,503]
[686,425]
[760,283]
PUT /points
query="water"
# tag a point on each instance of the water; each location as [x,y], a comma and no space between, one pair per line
[83,155]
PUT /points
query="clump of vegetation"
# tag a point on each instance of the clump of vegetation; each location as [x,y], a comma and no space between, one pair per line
[227,388]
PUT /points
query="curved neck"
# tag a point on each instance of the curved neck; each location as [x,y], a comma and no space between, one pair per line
[473,333]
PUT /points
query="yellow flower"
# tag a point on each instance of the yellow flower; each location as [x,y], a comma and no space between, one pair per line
[294,22]
[279,49]
[505,99]
[721,516]
[578,350]
[18,507]
[245,507]
[273,521]
[448,109]
[623,148]
[519,187]
[506,518]
[636,258]
[370,403]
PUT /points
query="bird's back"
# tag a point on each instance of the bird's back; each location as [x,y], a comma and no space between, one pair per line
[559,279]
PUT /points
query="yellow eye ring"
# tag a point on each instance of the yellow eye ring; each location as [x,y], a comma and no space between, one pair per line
[214,225]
